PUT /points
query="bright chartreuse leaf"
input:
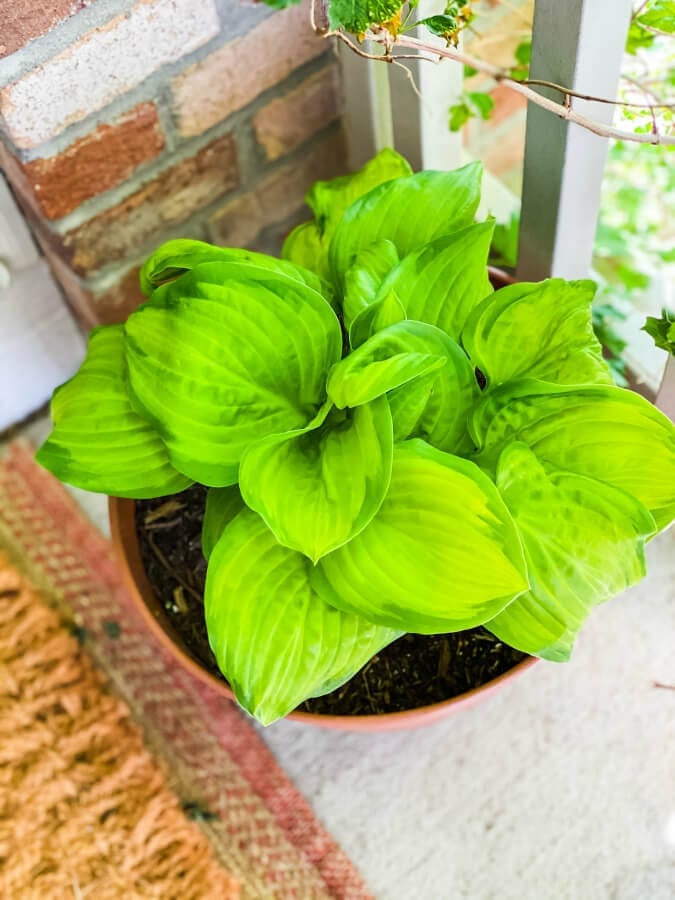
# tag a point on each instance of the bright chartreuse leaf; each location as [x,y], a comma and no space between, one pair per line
[308,244]
[337,470]
[173,258]
[542,331]
[600,431]
[329,200]
[437,406]
[387,360]
[583,541]
[442,554]
[222,505]
[225,355]
[99,442]
[374,318]
[275,640]
[445,280]
[357,15]
[364,278]
[305,247]
[410,212]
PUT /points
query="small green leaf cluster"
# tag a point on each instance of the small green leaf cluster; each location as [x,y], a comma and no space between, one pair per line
[389,444]
[654,18]
[470,105]
[662,330]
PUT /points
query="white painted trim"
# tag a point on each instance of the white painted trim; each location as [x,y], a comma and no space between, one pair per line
[40,344]
[578,43]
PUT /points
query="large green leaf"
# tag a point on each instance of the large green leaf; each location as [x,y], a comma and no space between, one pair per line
[374,318]
[176,257]
[437,406]
[390,358]
[364,279]
[600,431]
[305,247]
[442,554]
[337,472]
[445,280]
[308,244]
[99,443]
[329,200]
[584,543]
[542,331]
[222,505]
[410,212]
[225,355]
[275,640]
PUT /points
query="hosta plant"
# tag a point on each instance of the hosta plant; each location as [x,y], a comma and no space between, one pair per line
[390,446]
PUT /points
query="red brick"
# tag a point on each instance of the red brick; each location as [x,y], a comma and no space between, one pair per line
[95,163]
[102,65]
[24,20]
[289,121]
[173,196]
[118,302]
[278,196]
[237,73]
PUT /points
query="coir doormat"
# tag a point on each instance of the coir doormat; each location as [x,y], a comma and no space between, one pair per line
[83,804]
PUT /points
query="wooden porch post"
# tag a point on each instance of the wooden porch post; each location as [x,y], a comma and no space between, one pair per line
[580,44]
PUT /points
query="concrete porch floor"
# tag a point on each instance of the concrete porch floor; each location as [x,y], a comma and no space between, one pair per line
[560,787]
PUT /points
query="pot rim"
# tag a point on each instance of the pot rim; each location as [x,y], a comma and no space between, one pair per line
[127,549]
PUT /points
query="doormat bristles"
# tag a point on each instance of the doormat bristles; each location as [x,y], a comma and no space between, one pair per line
[84,809]
[84,792]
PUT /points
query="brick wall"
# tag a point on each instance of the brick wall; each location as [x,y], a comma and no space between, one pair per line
[127,122]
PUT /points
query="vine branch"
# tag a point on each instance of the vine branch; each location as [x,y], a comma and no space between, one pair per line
[431,53]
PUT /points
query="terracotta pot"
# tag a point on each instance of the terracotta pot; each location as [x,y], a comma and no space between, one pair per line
[125,542]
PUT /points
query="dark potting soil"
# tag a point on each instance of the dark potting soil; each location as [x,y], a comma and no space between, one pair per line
[414,671]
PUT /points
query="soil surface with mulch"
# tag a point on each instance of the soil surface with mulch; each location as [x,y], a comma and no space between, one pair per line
[414,671]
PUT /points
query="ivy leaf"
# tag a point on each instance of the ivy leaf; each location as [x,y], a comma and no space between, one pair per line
[281,4]
[583,541]
[357,15]
[100,442]
[276,641]
[662,331]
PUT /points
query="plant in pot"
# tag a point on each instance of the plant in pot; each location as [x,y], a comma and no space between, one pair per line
[394,454]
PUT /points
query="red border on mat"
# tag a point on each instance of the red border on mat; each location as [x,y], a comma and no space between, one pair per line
[254,760]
